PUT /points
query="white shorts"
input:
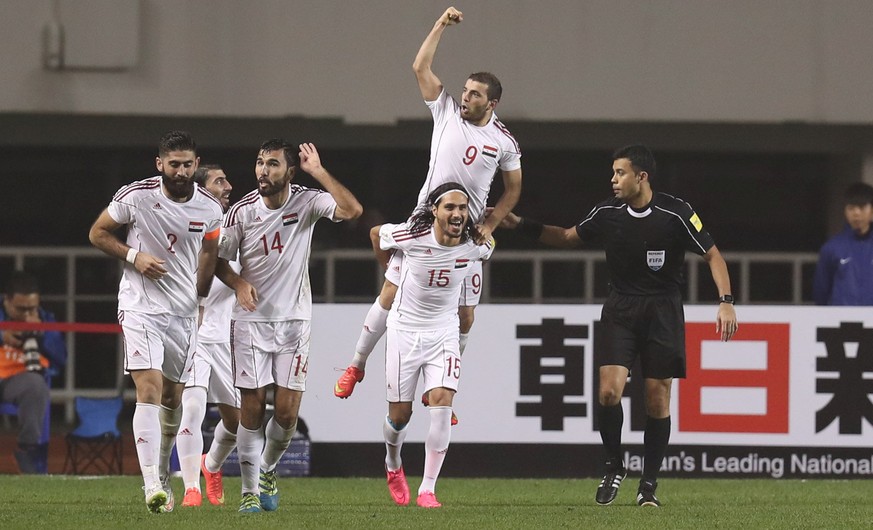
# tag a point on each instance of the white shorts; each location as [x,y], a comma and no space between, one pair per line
[270,352]
[433,353]
[158,342]
[471,290]
[211,370]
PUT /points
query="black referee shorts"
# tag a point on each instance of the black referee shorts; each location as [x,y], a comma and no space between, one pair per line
[651,327]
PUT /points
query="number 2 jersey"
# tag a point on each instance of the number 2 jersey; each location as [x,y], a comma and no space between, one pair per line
[466,153]
[274,248]
[430,277]
[168,230]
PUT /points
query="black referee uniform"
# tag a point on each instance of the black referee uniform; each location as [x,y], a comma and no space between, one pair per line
[645,252]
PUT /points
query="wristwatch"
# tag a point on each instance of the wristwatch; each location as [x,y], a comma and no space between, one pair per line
[726,299]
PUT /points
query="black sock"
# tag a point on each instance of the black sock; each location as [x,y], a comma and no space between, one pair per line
[611,419]
[656,438]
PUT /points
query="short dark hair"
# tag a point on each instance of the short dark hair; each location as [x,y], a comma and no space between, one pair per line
[859,194]
[203,172]
[641,158]
[277,144]
[20,282]
[176,141]
[495,89]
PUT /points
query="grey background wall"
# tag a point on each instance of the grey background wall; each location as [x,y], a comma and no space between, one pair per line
[759,112]
[663,60]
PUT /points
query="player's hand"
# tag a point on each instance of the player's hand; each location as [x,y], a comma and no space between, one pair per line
[726,321]
[246,295]
[149,266]
[451,17]
[481,234]
[310,162]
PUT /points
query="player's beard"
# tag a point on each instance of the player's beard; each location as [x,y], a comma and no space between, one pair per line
[178,188]
[272,188]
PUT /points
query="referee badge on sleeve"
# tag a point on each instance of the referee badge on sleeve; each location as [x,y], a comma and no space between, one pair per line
[655,258]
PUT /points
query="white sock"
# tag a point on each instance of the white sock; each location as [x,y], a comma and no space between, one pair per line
[393,444]
[375,325]
[249,445]
[435,446]
[223,443]
[170,419]
[278,440]
[462,342]
[146,436]
[189,441]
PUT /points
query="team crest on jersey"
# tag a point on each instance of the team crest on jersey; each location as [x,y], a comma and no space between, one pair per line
[489,150]
[461,263]
[289,219]
[196,226]
[655,259]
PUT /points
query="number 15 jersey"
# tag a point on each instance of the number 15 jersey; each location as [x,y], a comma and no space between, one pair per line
[430,277]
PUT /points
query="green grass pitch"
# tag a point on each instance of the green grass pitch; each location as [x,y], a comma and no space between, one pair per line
[60,502]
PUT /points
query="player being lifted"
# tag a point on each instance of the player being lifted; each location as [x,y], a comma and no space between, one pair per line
[469,145]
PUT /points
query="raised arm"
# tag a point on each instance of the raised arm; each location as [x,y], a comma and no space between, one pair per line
[347,205]
[726,320]
[428,82]
[102,236]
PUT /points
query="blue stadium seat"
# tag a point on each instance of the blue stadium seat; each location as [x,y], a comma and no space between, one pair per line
[94,446]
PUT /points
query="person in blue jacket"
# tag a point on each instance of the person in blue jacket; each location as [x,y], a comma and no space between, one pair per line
[25,356]
[844,274]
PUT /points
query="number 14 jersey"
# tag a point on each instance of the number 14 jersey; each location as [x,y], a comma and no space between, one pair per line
[273,248]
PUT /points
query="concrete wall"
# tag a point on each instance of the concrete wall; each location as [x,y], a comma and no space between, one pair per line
[638,60]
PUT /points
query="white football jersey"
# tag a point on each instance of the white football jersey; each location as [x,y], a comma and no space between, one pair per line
[430,277]
[168,230]
[273,248]
[466,153]
[217,308]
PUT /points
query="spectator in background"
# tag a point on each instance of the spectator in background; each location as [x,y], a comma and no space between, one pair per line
[844,274]
[25,357]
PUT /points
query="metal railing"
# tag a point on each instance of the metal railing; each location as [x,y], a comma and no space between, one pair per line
[352,276]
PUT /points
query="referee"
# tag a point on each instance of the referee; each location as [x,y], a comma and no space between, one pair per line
[645,235]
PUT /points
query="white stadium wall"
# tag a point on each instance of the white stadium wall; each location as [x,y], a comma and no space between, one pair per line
[788,397]
[564,60]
